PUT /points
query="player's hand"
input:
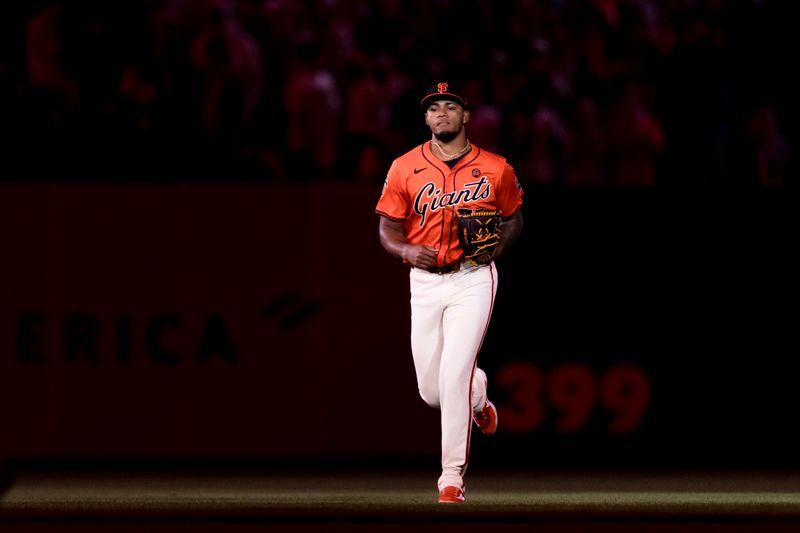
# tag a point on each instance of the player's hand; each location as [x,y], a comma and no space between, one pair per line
[420,256]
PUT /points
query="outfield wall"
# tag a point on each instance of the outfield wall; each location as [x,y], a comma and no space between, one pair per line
[211,320]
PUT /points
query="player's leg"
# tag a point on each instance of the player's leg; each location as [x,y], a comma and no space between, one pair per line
[479,386]
[426,332]
[484,411]
[466,319]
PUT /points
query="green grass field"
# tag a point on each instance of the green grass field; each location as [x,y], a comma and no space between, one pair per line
[122,500]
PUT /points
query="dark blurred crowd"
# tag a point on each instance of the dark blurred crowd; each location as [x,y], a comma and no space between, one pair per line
[680,94]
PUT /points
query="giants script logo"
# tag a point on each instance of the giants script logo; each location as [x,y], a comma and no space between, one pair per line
[431,198]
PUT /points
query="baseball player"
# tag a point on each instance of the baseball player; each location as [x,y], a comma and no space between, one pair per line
[451,297]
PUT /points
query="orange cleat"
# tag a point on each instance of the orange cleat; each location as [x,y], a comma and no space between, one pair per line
[486,418]
[451,495]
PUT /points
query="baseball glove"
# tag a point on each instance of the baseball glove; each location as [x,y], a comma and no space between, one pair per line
[479,234]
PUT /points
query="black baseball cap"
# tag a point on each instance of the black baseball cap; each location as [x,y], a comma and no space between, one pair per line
[444,91]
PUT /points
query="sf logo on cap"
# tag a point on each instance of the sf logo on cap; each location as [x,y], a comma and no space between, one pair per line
[442,87]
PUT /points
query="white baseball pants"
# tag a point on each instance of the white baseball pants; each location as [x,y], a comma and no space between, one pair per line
[449,317]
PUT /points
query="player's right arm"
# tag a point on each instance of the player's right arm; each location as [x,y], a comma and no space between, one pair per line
[394,241]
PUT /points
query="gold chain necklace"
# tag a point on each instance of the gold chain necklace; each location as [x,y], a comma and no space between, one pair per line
[451,156]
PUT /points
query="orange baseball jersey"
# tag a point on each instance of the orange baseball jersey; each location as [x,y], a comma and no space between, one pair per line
[423,192]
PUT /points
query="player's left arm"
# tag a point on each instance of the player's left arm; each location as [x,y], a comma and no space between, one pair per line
[509,198]
[509,231]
